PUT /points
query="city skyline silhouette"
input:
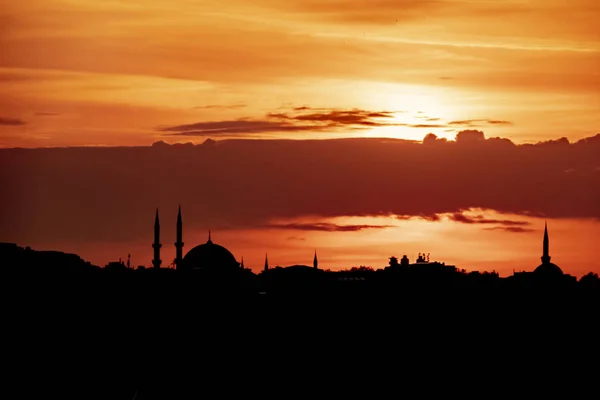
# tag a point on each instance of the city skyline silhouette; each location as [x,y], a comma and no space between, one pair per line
[215,258]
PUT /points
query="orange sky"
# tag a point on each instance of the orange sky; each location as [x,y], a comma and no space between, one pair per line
[133,72]
[111,72]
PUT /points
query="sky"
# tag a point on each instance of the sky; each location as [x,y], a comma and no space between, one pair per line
[137,72]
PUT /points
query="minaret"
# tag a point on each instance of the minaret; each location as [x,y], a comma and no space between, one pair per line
[266,262]
[209,239]
[179,242]
[156,261]
[242,263]
[546,251]
[315,262]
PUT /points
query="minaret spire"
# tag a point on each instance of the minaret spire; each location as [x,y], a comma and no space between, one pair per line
[315,261]
[546,250]
[156,245]
[179,241]
[266,262]
[242,263]
[209,240]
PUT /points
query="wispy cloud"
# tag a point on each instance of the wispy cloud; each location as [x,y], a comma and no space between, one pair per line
[473,122]
[296,119]
[11,121]
[325,226]
[481,219]
[514,229]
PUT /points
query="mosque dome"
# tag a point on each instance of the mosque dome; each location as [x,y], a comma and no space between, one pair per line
[548,269]
[209,257]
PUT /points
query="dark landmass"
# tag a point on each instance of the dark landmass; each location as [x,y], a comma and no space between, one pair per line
[76,329]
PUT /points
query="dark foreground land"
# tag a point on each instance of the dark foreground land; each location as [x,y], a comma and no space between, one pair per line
[159,334]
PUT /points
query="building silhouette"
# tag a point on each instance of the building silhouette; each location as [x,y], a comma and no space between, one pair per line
[208,256]
[179,242]
[156,261]
[546,268]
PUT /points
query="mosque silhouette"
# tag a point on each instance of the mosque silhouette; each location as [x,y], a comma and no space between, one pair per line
[546,267]
[208,257]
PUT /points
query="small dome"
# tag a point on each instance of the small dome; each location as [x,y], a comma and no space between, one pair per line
[548,269]
[209,256]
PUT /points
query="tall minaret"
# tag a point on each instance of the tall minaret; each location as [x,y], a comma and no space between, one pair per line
[242,263]
[315,262]
[546,253]
[156,261]
[179,242]
[266,262]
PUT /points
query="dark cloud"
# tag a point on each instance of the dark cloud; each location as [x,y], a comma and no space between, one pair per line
[325,226]
[470,137]
[425,125]
[339,117]
[239,126]
[462,217]
[480,219]
[432,139]
[311,119]
[11,121]
[296,238]
[296,120]
[514,229]
[473,122]
[431,217]
[98,194]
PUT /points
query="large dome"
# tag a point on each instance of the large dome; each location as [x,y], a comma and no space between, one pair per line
[209,256]
[548,269]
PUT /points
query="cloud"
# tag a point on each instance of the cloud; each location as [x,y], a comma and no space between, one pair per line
[338,117]
[425,125]
[431,217]
[312,119]
[473,122]
[325,226]
[514,229]
[238,126]
[295,120]
[480,219]
[98,194]
[296,238]
[46,114]
[11,121]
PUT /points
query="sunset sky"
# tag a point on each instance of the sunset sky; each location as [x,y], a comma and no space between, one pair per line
[135,72]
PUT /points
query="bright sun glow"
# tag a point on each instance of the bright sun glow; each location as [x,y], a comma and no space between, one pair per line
[419,109]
